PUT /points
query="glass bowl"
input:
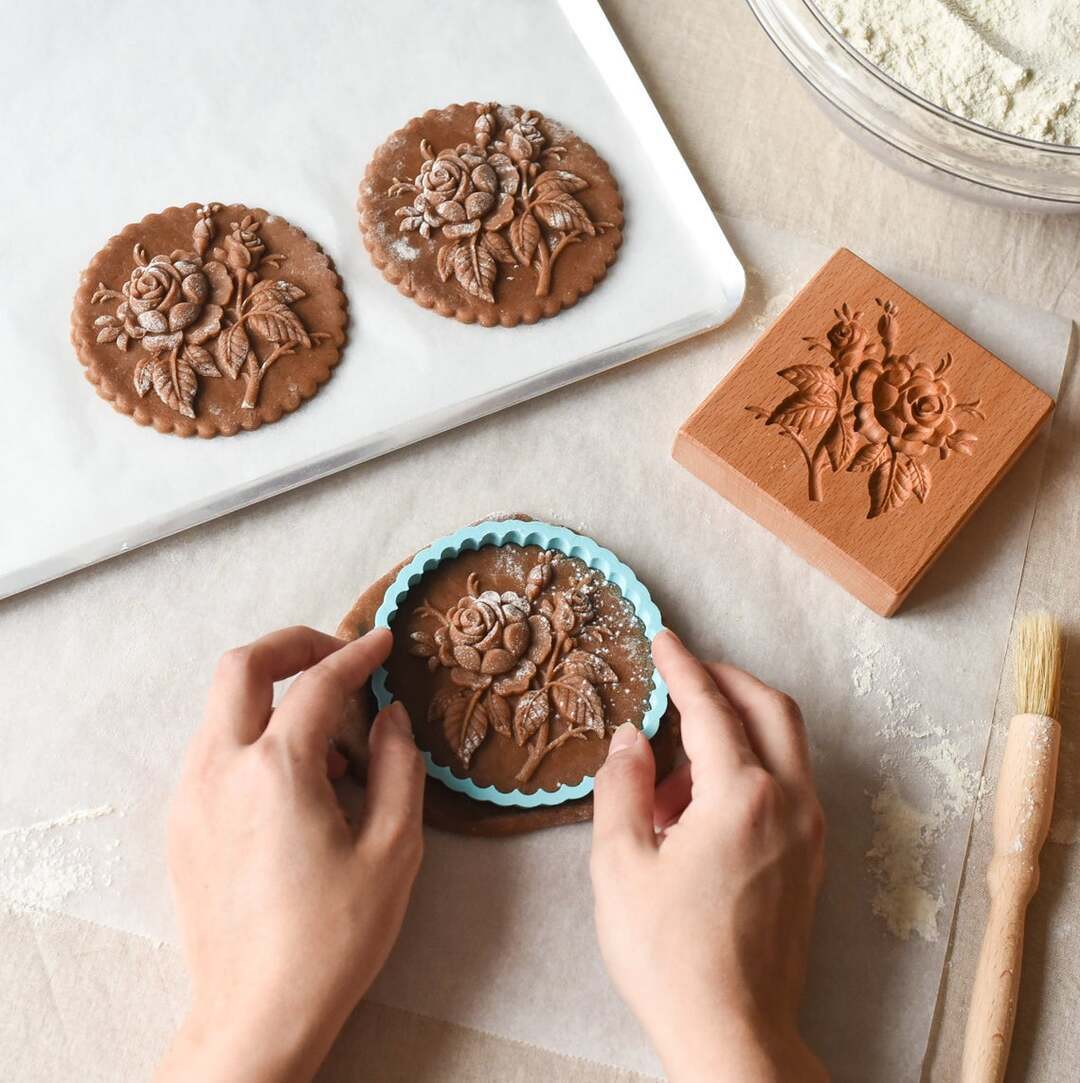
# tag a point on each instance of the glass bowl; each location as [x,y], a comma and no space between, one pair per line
[911,133]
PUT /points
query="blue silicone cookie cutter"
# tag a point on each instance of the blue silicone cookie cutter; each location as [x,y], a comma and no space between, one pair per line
[547,536]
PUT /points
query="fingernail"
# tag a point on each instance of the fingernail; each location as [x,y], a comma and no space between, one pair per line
[398,717]
[623,738]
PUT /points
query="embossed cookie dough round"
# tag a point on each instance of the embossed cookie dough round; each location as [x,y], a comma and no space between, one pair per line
[516,664]
[490,213]
[208,319]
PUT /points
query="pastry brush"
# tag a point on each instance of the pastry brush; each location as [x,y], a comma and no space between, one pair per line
[1022,809]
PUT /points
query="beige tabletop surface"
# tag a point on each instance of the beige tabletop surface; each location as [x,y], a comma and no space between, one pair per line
[84,1002]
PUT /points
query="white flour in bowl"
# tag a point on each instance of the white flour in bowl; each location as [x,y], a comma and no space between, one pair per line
[1011,65]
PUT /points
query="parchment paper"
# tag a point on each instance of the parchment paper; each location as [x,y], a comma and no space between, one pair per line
[499,935]
[111,114]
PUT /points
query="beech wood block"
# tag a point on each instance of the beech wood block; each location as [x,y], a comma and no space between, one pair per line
[863,430]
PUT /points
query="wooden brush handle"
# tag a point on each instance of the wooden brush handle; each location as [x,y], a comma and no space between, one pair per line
[1022,810]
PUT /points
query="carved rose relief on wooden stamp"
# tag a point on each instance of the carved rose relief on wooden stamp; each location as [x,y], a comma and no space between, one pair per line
[871,410]
[500,200]
[520,664]
[210,312]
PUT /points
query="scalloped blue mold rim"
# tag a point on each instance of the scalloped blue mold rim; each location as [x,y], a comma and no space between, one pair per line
[496,533]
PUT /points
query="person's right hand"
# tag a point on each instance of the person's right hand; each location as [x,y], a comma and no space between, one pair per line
[705,886]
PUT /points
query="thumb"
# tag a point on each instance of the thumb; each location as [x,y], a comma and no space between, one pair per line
[624,792]
[394,805]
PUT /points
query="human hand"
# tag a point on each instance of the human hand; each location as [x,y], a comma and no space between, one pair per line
[705,926]
[287,910]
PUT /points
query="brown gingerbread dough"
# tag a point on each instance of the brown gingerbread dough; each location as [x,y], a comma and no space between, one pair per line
[208,319]
[443,808]
[490,213]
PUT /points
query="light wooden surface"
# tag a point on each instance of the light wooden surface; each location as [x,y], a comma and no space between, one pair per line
[1023,806]
[761,149]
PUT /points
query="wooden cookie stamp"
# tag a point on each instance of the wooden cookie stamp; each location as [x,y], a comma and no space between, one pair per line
[862,429]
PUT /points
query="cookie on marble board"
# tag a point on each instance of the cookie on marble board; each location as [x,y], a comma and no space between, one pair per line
[490,214]
[209,319]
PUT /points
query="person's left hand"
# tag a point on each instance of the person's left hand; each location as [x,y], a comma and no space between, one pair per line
[287,910]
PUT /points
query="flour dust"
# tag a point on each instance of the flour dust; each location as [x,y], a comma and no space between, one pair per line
[925,785]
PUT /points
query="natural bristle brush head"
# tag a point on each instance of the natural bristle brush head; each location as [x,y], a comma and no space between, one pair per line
[1038,665]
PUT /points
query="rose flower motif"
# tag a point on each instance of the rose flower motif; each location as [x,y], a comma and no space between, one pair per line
[525,139]
[848,339]
[244,246]
[166,298]
[904,403]
[455,191]
[487,634]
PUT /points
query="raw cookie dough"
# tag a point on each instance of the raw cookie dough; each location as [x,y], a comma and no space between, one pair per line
[208,319]
[490,213]
[450,811]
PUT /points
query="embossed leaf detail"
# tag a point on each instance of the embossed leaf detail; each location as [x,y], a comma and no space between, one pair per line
[920,479]
[463,735]
[804,410]
[500,714]
[440,702]
[869,457]
[475,269]
[578,701]
[175,383]
[564,212]
[531,713]
[422,645]
[444,261]
[270,294]
[590,666]
[232,350]
[558,180]
[899,405]
[810,378]
[498,246]
[473,731]
[840,440]
[281,325]
[894,481]
[524,237]
[143,378]
[200,360]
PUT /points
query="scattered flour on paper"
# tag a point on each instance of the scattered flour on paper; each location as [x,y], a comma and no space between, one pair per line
[1011,65]
[764,302]
[44,863]
[925,785]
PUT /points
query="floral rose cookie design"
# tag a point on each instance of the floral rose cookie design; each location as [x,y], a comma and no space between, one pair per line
[517,664]
[490,213]
[208,319]
[872,409]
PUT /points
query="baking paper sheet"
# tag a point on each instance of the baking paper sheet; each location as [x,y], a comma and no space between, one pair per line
[111,113]
[99,704]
